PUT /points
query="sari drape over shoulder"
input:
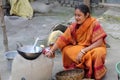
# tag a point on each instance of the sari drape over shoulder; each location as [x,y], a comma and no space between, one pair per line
[73,40]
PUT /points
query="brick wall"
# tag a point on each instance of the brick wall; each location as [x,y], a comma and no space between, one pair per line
[113,1]
[71,3]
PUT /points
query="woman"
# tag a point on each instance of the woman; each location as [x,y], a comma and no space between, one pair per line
[83,44]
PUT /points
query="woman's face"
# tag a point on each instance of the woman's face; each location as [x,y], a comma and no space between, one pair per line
[79,16]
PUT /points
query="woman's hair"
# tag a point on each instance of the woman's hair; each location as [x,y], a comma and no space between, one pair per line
[84,8]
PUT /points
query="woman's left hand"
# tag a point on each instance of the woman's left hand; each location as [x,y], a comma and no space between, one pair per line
[79,57]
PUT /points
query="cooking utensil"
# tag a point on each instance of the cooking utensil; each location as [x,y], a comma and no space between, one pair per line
[30,52]
[35,43]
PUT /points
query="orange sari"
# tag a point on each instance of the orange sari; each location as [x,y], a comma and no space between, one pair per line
[73,40]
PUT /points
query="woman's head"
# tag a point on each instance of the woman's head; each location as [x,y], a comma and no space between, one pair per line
[81,13]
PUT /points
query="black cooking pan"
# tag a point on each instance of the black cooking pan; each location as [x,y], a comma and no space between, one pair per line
[29,52]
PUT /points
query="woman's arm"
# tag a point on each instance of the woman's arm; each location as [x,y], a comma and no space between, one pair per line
[54,47]
[86,49]
[50,53]
[94,45]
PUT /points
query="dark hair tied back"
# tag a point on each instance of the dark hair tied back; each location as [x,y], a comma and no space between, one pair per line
[84,8]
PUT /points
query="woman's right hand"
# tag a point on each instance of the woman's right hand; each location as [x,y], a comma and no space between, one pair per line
[79,57]
[49,54]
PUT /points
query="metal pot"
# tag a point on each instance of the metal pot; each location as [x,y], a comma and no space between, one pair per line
[29,52]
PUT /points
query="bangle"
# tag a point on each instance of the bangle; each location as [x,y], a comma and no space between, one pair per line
[83,51]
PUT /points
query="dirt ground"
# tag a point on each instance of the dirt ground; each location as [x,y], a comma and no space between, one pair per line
[25,31]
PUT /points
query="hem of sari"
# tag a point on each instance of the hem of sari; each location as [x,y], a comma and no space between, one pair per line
[72,66]
[101,70]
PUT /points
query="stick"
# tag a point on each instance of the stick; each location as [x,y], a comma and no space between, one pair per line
[2,24]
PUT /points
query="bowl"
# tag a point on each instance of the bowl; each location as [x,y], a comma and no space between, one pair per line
[10,55]
[30,53]
[73,74]
[118,67]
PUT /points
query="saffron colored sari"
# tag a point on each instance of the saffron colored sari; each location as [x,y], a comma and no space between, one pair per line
[73,40]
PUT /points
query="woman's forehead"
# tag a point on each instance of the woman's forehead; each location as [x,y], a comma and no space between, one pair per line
[78,11]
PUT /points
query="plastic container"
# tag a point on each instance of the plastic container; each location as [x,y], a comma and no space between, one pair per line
[118,69]
[10,55]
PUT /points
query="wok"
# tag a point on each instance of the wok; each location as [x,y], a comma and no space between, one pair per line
[29,52]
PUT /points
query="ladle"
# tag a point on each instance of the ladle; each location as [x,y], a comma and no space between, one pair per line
[35,43]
